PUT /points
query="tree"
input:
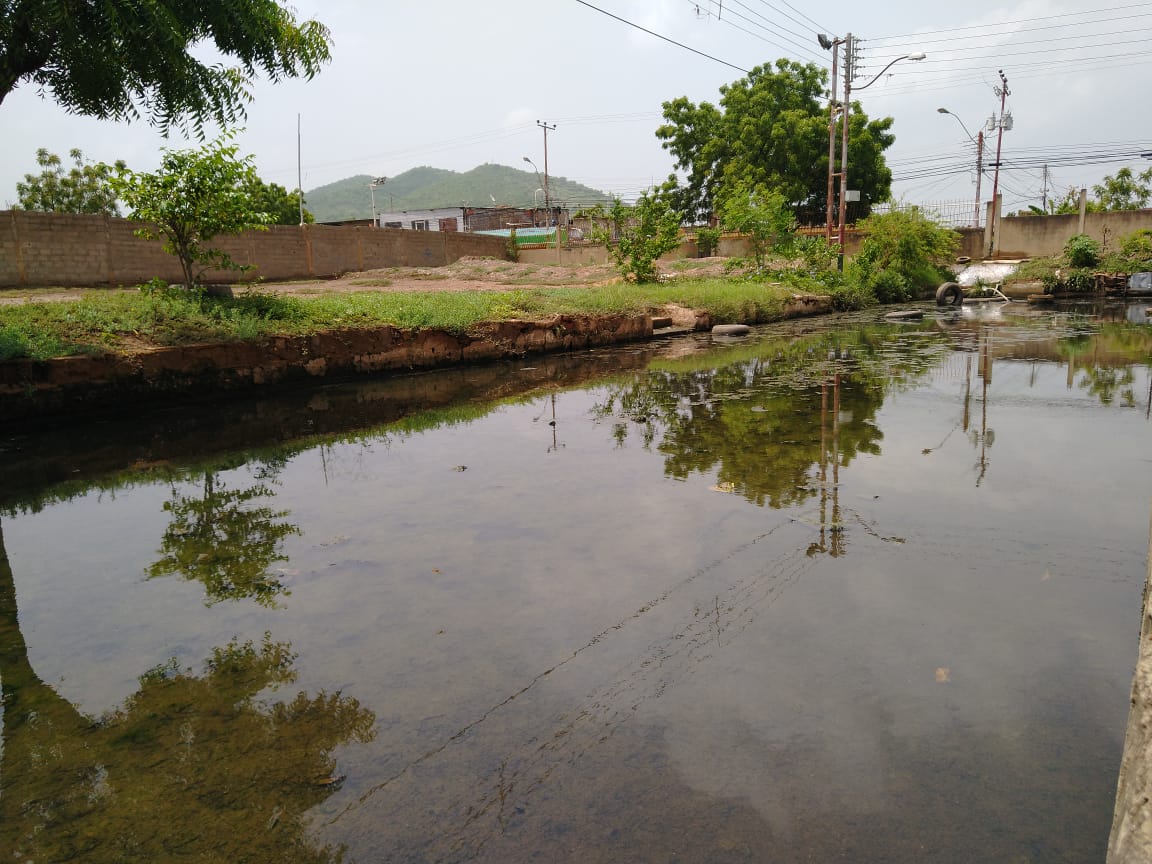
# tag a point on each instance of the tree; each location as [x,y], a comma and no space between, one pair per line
[118,59]
[640,234]
[759,213]
[283,206]
[85,188]
[1124,190]
[770,130]
[193,197]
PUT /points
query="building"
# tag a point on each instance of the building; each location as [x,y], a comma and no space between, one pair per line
[470,219]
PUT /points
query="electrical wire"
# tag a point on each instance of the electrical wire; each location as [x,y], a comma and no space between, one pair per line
[999,25]
[661,36]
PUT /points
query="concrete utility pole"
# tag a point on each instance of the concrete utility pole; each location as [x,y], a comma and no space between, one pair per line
[547,198]
[1002,123]
[834,45]
[979,174]
[845,109]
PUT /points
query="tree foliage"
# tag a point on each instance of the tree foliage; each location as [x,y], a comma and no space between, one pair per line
[195,196]
[770,130]
[281,205]
[761,214]
[1124,190]
[84,188]
[118,59]
[640,234]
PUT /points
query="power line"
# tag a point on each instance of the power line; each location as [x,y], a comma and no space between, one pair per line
[660,36]
[1001,24]
[952,40]
[728,20]
[808,22]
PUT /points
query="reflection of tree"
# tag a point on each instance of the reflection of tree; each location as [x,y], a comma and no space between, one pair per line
[1103,382]
[757,423]
[221,538]
[192,767]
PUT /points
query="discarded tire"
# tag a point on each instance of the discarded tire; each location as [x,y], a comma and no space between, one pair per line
[949,294]
[730,330]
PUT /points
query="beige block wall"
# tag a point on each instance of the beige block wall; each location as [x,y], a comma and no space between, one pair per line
[58,249]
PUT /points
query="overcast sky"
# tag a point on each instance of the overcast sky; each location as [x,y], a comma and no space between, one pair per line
[457,83]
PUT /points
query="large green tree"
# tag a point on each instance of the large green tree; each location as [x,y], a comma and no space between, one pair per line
[83,188]
[118,59]
[770,130]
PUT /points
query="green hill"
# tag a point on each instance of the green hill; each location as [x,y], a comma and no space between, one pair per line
[424,188]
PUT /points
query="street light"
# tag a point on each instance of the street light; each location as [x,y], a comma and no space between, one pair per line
[541,182]
[377,181]
[979,142]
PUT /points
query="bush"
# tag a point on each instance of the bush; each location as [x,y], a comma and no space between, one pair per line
[762,215]
[643,232]
[707,241]
[888,286]
[1082,251]
[904,254]
[1134,255]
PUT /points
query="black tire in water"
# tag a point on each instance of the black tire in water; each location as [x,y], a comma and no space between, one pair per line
[949,294]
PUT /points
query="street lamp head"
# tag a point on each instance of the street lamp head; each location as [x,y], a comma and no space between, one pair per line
[916,55]
[824,41]
[943,111]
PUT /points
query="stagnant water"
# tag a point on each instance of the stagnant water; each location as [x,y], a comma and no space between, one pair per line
[841,591]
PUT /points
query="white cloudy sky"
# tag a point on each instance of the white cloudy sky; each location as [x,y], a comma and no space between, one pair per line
[456,83]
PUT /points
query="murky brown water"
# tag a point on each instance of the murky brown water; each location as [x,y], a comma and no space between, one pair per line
[842,591]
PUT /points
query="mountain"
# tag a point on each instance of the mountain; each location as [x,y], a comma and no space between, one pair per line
[424,188]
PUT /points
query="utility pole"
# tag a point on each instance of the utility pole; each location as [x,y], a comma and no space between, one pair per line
[1044,190]
[299,172]
[979,174]
[547,199]
[845,110]
[1003,92]
[832,173]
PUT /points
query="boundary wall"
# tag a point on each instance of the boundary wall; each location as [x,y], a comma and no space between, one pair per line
[63,249]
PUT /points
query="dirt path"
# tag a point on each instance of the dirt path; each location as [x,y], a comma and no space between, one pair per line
[467,274]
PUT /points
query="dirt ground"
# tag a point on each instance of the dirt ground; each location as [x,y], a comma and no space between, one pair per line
[467,274]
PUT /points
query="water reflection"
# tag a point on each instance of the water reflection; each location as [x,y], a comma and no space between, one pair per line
[221,537]
[195,766]
[564,656]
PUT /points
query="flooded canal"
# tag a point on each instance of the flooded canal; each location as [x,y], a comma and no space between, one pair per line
[841,591]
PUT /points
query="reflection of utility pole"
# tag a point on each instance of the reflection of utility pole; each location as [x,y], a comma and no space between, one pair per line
[555,444]
[837,527]
[986,437]
[832,527]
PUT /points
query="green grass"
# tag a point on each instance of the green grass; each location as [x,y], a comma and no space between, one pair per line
[101,323]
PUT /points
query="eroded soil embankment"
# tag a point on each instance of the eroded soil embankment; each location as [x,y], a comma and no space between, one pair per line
[104,383]
[30,388]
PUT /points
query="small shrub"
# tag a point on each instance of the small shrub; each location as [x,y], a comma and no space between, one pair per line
[1082,251]
[707,241]
[640,234]
[889,286]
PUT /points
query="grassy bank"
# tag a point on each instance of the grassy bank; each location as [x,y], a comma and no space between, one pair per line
[100,323]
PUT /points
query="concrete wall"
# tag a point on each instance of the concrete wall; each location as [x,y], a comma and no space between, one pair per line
[1033,236]
[59,249]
